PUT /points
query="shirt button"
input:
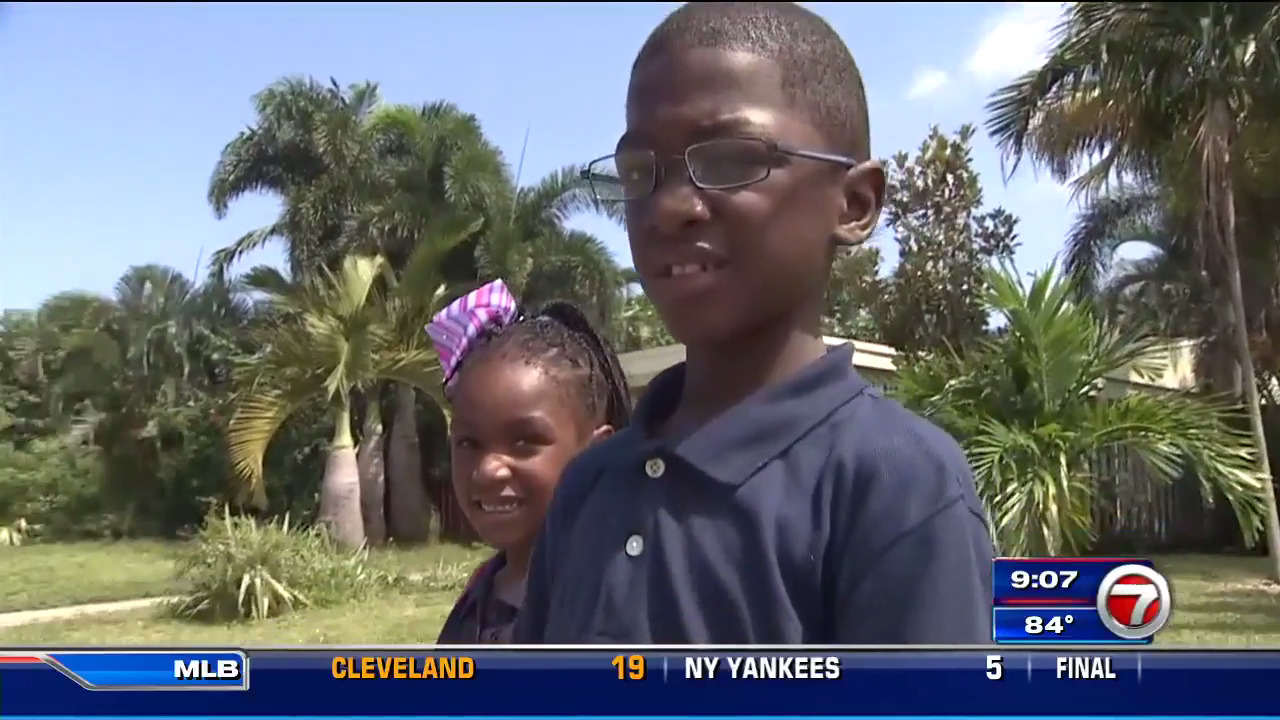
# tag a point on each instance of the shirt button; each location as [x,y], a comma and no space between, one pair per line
[635,545]
[654,467]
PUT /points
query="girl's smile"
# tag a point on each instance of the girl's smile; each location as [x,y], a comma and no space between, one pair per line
[505,502]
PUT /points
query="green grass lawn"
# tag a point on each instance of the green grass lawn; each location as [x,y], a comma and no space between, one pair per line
[1217,601]
[61,574]
[398,617]
[1220,601]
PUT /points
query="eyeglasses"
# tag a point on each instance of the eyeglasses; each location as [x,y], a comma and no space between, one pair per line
[721,164]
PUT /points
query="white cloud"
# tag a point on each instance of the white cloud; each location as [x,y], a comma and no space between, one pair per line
[1014,41]
[926,81]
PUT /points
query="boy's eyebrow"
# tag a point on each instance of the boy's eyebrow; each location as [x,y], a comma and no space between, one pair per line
[736,123]
[628,139]
[742,122]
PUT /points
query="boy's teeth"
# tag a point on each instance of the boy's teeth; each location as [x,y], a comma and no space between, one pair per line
[687,269]
[499,507]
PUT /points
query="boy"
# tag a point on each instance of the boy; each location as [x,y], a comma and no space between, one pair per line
[765,493]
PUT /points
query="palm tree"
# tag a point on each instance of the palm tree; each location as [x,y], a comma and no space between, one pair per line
[415,293]
[638,326]
[1166,289]
[576,267]
[1182,93]
[1030,408]
[354,174]
[309,148]
[331,337]
[131,373]
[533,250]
[437,172]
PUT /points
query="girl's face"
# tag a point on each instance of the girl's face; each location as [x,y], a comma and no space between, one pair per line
[514,429]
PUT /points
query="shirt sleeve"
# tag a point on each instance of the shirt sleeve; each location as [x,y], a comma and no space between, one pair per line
[930,586]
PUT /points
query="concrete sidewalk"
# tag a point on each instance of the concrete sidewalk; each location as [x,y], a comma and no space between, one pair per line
[70,612]
[30,617]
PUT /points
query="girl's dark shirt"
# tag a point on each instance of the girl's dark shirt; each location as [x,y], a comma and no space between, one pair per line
[480,617]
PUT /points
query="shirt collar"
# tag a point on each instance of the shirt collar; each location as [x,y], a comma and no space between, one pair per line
[735,445]
[479,588]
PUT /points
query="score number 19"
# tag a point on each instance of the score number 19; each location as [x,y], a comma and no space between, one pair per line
[629,667]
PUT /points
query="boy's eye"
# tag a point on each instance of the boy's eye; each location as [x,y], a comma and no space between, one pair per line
[464,443]
[729,162]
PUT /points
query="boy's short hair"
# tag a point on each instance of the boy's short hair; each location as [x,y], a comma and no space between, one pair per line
[818,71]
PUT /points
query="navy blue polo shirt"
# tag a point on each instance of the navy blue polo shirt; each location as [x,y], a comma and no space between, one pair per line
[816,511]
[481,616]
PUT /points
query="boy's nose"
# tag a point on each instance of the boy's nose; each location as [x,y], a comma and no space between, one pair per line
[676,204]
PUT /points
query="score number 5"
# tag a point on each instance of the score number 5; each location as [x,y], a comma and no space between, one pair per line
[629,667]
[995,667]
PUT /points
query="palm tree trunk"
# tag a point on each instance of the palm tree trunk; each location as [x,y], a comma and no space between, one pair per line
[408,513]
[1245,360]
[369,460]
[1229,378]
[340,487]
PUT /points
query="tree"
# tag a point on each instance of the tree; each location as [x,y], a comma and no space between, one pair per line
[354,174]
[309,147]
[331,337]
[576,267]
[534,251]
[1166,289]
[945,241]
[135,374]
[416,291]
[638,326]
[1030,408]
[1183,94]
[856,288]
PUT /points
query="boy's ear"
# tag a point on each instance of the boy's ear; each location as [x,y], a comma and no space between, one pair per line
[602,433]
[863,198]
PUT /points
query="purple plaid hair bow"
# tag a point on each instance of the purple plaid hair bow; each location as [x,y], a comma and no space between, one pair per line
[454,330]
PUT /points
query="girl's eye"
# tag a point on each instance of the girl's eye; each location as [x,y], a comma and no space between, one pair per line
[525,447]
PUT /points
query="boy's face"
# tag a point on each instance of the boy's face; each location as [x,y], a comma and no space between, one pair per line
[719,264]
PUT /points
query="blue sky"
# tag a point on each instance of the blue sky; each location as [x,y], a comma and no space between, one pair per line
[114,114]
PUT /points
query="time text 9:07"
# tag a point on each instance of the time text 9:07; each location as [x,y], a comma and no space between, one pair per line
[1046,580]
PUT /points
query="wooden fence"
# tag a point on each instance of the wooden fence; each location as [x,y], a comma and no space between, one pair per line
[1135,513]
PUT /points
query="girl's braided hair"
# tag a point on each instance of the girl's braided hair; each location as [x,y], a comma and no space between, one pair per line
[560,339]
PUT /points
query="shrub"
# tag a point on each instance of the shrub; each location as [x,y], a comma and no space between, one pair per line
[15,534]
[56,487]
[239,568]
[445,576]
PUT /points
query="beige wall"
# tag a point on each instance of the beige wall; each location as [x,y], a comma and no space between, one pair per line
[1174,365]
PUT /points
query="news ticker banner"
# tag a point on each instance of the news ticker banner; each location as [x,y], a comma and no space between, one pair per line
[638,681]
[1078,601]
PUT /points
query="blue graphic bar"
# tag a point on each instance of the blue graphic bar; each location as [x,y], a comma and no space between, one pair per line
[649,717]
[1051,626]
[198,670]
[1052,581]
[528,683]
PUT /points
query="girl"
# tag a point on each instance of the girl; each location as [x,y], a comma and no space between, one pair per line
[528,393]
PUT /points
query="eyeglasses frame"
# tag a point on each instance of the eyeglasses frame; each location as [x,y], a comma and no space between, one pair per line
[773,148]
